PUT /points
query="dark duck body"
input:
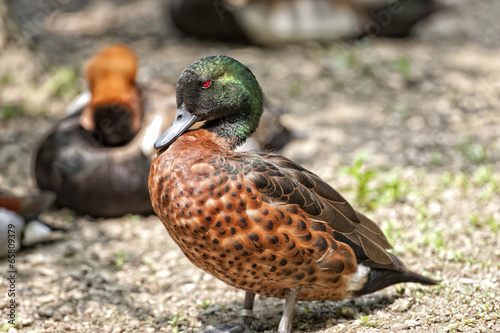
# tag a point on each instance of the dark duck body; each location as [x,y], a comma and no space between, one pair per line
[89,178]
[94,158]
[258,221]
[291,21]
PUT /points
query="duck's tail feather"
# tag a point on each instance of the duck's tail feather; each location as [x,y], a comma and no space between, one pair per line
[381,278]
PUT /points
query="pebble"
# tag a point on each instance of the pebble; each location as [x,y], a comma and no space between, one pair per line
[402,304]
[46,299]
[348,312]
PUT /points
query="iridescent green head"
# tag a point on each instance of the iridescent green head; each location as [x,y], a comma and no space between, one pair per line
[221,91]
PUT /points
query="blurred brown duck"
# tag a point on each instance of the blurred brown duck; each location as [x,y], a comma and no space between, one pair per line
[283,21]
[258,221]
[97,159]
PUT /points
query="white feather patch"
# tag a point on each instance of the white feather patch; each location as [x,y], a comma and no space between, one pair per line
[151,135]
[36,232]
[358,279]
[79,102]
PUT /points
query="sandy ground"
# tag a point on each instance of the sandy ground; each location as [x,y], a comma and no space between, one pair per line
[423,112]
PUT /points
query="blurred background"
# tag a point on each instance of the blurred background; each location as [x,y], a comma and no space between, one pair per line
[407,129]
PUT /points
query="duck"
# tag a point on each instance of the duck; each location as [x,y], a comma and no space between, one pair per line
[19,224]
[264,22]
[97,158]
[255,220]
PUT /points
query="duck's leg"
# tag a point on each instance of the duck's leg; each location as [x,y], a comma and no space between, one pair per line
[246,314]
[247,311]
[287,318]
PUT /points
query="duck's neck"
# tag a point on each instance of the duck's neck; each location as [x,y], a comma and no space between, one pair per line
[233,130]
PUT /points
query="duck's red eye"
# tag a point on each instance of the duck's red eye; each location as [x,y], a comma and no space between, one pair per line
[206,83]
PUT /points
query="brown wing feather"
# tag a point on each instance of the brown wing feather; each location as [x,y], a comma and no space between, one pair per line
[279,179]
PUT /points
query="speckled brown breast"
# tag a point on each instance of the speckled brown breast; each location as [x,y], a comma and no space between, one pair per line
[227,228]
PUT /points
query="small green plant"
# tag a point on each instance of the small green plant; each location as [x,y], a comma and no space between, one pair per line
[150,263]
[436,158]
[469,322]
[11,111]
[446,178]
[462,180]
[373,187]
[295,87]
[400,109]
[362,176]
[489,222]
[346,59]
[8,326]
[392,188]
[395,236]
[120,259]
[6,79]
[424,218]
[484,175]
[402,66]
[366,321]
[474,221]
[64,82]
[203,304]
[176,321]
[493,223]
[473,151]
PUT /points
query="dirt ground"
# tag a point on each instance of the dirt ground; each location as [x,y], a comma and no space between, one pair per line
[422,114]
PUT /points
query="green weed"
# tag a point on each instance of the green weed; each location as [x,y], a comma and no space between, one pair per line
[473,151]
[6,79]
[176,321]
[120,259]
[402,66]
[362,177]
[489,222]
[203,304]
[374,188]
[63,83]
[11,111]
[150,263]
[8,326]
[295,87]
[366,321]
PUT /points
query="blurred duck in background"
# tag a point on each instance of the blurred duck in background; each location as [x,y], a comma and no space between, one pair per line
[97,159]
[292,21]
[19,225]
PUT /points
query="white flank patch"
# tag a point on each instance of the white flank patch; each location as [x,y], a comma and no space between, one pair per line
[78,103]
[151,135]
[358,279]
[36,232]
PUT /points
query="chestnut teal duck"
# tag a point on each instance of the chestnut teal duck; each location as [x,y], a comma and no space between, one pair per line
[258,221]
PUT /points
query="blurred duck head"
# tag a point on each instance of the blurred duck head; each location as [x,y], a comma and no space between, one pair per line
[115,113]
